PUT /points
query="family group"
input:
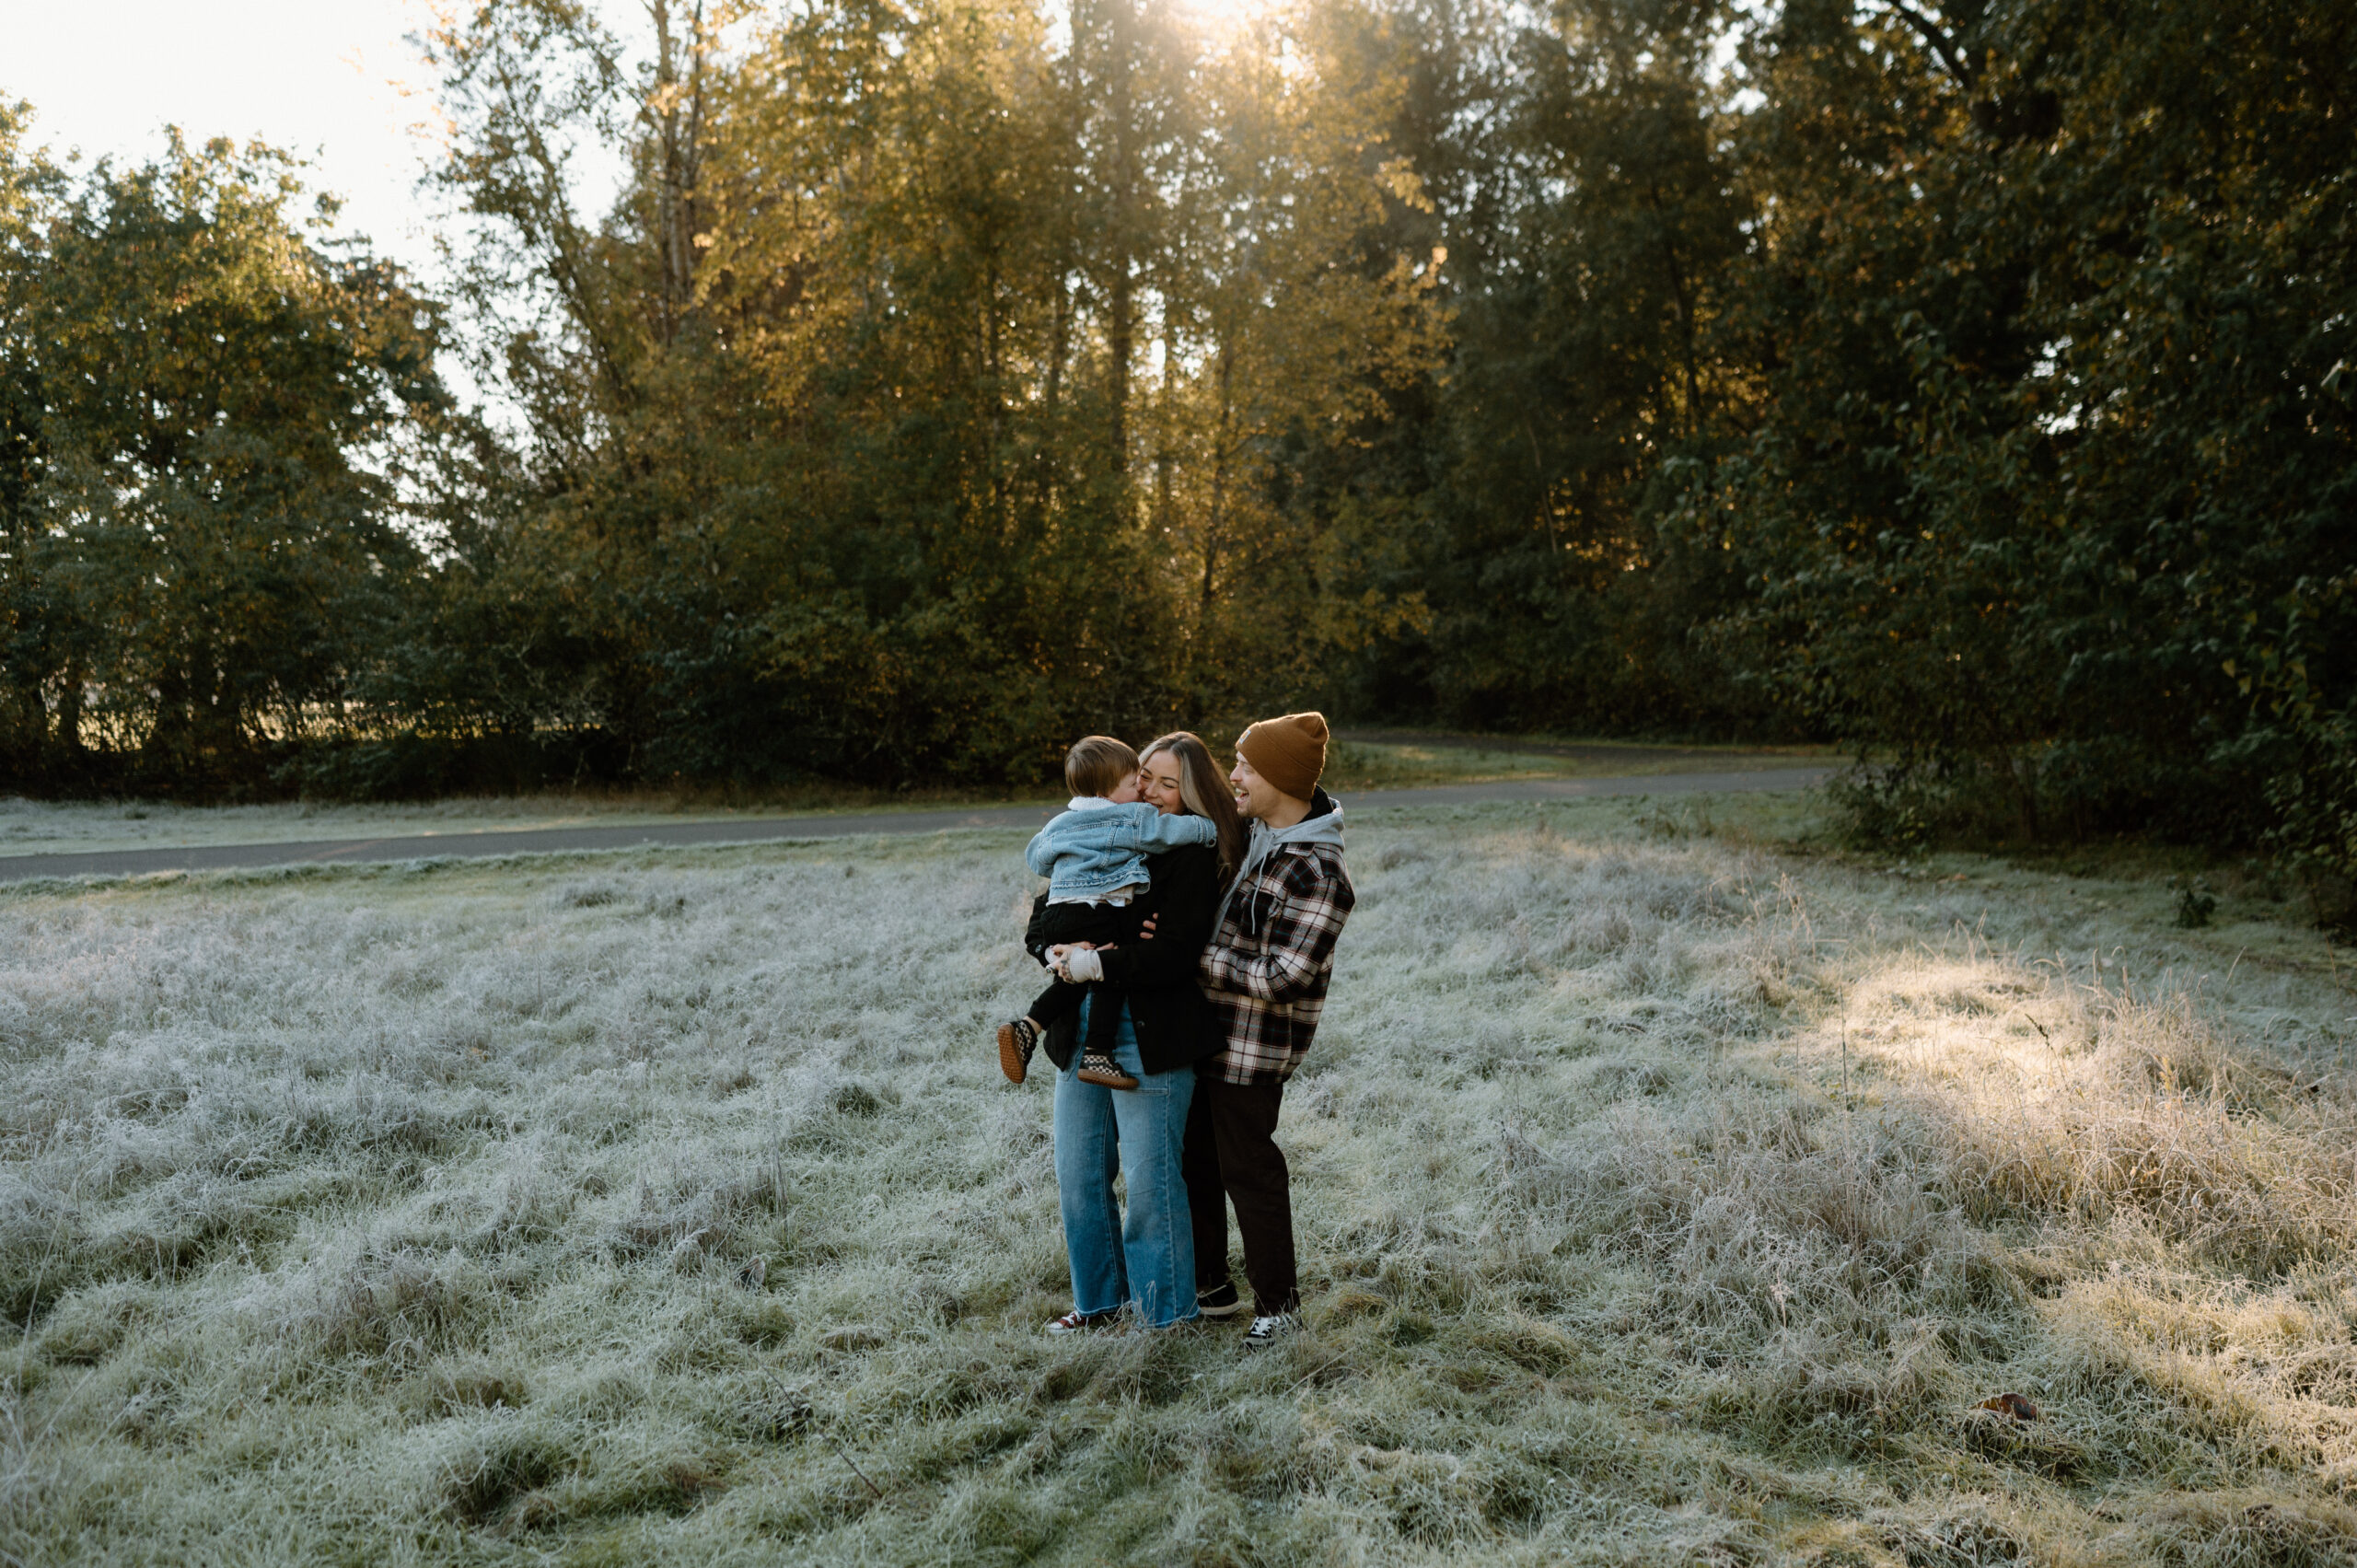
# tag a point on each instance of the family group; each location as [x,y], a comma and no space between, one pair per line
[1189,927]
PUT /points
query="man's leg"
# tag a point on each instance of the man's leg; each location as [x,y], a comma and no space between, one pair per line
[1252,1168]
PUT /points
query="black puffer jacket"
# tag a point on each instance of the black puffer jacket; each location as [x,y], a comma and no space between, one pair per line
[1176,1027]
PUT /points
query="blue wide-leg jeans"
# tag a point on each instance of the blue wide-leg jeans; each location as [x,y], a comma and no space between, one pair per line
[1148,1255]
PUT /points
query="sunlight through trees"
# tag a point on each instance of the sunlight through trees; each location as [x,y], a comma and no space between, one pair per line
[1965,385]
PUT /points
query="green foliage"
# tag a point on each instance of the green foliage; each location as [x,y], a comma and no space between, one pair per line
[1962,383]
[2053,462]
[968,417]
[2314,803]
[1967,384]
[207,412]
[2195,903]
[1603,251]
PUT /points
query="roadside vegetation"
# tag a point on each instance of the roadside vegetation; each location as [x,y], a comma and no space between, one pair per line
[1665,1196]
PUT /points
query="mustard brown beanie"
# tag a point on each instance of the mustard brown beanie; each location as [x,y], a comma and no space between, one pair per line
[1290,752]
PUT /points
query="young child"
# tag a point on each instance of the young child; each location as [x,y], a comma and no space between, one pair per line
[1093,855]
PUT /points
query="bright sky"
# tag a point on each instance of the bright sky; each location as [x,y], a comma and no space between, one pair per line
[321,79]
[334,81]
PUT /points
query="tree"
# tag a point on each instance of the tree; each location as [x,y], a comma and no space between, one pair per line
[2050,443]
[999,350]
[40,652]
[207,536]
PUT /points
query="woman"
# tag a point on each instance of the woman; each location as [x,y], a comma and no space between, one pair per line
[1147,1256]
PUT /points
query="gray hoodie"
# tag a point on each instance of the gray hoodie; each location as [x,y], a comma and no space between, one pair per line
[1326,828]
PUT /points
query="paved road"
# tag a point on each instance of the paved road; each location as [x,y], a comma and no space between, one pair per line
[214,857]
[1602,752]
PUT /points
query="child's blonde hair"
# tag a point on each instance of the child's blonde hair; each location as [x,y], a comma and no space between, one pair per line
[1097,764]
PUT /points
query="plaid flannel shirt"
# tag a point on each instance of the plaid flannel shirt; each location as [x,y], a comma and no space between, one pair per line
[1266,969]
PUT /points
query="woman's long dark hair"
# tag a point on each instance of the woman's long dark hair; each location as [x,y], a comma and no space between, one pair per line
[1204,789]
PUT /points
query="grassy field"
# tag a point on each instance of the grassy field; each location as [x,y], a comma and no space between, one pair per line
[38,827]
[1664,1198]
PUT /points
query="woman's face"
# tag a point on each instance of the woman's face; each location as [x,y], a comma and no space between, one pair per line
[1158,783]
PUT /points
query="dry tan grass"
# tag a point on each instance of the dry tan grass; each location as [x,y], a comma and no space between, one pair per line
[1663,1199]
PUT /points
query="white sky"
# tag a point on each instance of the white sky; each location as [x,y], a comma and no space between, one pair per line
[334,81]
[324,79]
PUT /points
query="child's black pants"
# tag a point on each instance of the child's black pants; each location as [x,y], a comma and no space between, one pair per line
[1100,924]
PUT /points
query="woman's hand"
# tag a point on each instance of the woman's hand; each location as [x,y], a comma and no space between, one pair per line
[1145,928]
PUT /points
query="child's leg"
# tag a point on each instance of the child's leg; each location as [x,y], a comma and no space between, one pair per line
[1096,1061]
[1052,1004]
[1104,1014]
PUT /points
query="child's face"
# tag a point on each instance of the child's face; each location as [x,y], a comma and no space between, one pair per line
[1125,792]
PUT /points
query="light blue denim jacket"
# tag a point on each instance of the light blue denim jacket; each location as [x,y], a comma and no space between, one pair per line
[1096,847]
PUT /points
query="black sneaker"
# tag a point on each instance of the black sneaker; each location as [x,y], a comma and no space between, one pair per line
[1220,1301]
[1078,1322]
[1095,1067]
[1016,1042]
[1267,1330]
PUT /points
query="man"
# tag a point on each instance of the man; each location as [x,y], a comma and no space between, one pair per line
[1265,971]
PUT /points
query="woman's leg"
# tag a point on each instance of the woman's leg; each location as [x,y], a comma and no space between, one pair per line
[1086,1158]
[1158,1234]
[1206,1192]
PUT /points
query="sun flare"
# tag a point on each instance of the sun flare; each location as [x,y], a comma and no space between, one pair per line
[1224,17]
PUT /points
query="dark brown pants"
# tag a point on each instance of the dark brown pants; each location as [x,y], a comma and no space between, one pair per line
[1231,1155]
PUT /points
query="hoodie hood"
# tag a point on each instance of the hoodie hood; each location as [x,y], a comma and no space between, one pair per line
[1322,825]
[1326,828]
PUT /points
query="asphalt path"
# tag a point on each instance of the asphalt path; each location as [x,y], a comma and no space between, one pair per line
[773,830]
[1603,753]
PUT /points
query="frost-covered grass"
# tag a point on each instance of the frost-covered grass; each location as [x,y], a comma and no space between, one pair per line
[1662,1199]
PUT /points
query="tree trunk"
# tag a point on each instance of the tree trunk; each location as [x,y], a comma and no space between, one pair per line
[1681,292]
[1220,430]
[675,115]
[1121,309]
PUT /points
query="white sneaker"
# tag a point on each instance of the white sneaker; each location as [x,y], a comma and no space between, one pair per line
[1266,1331]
